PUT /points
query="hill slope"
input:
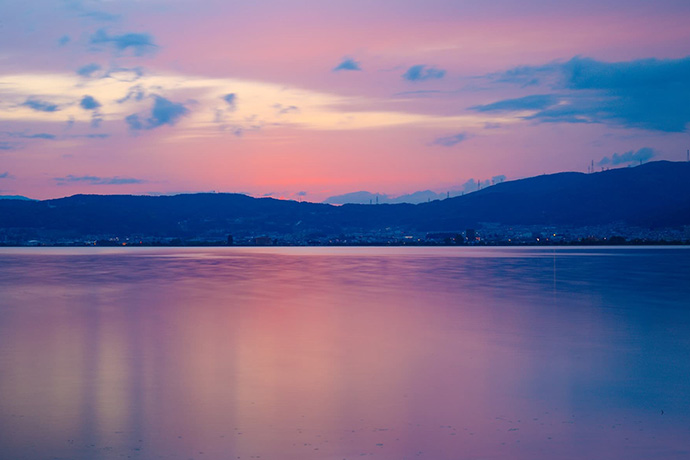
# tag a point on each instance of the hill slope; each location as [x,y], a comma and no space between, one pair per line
[652,195]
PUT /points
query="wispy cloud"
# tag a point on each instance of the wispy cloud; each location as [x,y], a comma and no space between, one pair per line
[422,73]
[420,93]
[91,136]
[88,70]
[632,156]
[125,74]
[4,145]
[347,64]
[25,135]
[80,9]
[100,15]
[96,180]
[139,43]
[135,93]
[40,106]
[282,109]
[534,102]
[449,141]
[231,100]
[40,136]
[6,175]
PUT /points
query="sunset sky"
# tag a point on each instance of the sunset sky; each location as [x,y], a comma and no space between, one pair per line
[309,99]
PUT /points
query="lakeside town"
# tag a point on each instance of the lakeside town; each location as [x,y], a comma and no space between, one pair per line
[486,234]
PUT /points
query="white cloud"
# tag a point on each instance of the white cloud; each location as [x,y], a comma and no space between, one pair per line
[203,96]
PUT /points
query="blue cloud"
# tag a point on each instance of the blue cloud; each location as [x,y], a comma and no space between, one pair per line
[23,135]
[40,106]
[40,136]
[650,94]
[134,122]
[231,99]
[90,136]
[95,180]
[82,10]
[639,156]
[8,145]
[62,41]
[420,93]
[100,15]
[88,70]
[449,141]
[139,43]
[163,112]
[89,103]
[347,64]
[422,73]
[534,102]
[6,175]
[527,75]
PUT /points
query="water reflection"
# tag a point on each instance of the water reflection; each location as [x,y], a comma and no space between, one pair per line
[342,353]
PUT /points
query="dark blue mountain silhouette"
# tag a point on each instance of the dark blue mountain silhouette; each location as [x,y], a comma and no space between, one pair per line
[655,194]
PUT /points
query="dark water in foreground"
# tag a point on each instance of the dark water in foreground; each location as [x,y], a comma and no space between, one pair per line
[441,353]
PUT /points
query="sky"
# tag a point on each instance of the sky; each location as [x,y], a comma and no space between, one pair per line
[310,99]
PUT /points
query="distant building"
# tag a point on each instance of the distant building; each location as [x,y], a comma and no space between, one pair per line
[263,241]
[471,235]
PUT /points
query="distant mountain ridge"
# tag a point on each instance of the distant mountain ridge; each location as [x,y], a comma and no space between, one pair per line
[15,197]
[655,194]
[363,197]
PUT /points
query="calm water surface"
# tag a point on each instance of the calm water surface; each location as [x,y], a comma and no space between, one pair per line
[344,353]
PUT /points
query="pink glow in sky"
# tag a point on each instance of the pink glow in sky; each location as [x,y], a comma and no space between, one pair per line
[333,97]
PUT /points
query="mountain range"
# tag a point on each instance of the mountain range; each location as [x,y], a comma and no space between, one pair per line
[653,195]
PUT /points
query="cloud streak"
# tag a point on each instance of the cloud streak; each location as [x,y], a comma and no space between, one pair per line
[139,43]
[450,141]
[4,145]
[423,73]
[39,105]
[348,64]
[282,110]
[24,135]
[96,180]
[88,70]
[534,102]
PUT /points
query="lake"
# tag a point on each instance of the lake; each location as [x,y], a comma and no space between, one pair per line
[345,353]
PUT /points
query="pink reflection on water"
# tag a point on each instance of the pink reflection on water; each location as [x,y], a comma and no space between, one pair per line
[244,354]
